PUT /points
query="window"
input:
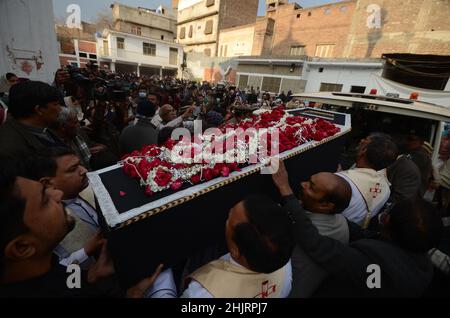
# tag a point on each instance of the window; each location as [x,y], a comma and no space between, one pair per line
[207,52]
[83,55]
[93,56]
[309,14]
[358,89]
[343,8]
[209,3]
[173,56]
[320,69]
[105,47]
[191,31]
[298,16]
[226,51]
[243,81]
[121,43]
[74,64]
[271,84]
[162,37]
[136,30]
[327,11]
[209,27]
[297,50]
[324,50]
[149,49]
[329,87]
[182,33]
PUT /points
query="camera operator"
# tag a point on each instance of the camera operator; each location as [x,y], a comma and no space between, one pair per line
[102,131]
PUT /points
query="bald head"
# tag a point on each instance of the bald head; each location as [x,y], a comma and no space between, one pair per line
[326,193]
[339,193]
[167,113]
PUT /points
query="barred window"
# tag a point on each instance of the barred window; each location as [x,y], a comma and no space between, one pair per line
[324,50]
[149,49]
[182,33]
[121,43]
[330,87]
[209,27]
[271,84]
[297,50]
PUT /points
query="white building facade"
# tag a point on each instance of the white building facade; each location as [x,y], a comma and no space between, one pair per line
[303,75]
[124,52]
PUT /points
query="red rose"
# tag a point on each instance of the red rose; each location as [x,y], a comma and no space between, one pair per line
[225,172]
[163,178]
[130,170]
[195,179]
[208,174]
[216,171]
[170,144]
[144,167]
[319,136]
[176,185]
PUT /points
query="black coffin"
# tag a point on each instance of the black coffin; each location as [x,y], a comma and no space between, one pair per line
[181,226]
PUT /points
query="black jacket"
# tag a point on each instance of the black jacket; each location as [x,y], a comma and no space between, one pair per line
[17,141]
[403,274]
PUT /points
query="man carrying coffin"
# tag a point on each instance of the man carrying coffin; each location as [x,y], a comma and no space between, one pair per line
[258,264]
[369,182]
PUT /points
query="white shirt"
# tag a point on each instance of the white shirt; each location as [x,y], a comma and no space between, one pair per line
[357,209]
[195,290]
[86,213]
[163,287]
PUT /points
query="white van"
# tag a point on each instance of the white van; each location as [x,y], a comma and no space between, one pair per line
[372,113]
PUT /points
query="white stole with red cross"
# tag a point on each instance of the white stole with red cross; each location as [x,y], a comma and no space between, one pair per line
[373,186]
[223,279]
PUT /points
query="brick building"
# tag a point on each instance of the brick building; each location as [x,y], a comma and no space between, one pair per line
[318,31]
[77,47]
[360,28]
[413,26]
[200,22]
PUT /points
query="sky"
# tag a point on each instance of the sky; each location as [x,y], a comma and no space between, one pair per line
[90,8]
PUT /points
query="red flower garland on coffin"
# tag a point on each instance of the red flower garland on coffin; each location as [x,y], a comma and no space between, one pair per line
[154,167]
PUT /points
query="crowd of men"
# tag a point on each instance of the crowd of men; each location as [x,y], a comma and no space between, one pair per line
[319,242]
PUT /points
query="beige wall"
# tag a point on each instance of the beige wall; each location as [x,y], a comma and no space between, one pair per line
[225,14]
[263,36]
[192,16]
[237,41]
[126,27]
[270,69]
[197,10]
[199,38]
[150,19]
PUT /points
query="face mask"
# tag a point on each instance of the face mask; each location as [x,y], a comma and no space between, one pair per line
[142,94]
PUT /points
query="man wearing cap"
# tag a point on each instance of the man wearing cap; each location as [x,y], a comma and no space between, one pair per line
[143,133]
